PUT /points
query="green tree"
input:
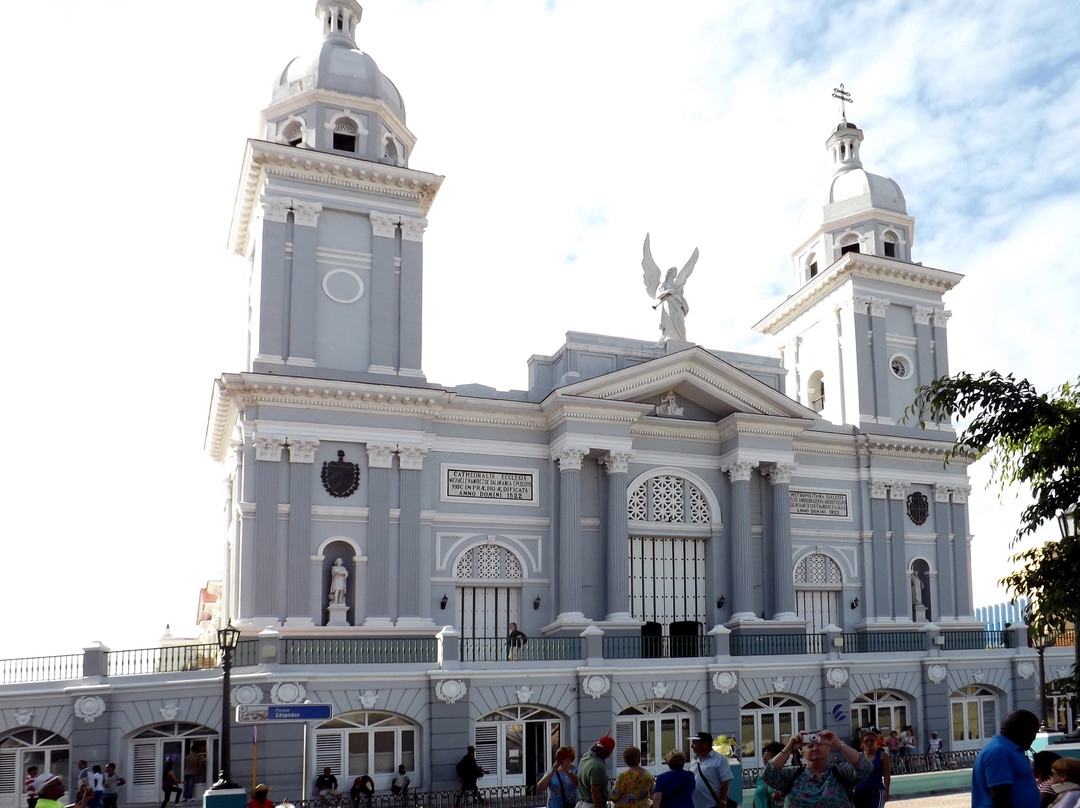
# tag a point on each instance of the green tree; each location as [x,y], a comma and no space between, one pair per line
[1032,440]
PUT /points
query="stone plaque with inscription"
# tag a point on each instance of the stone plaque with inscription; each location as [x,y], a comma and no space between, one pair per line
[819,503]
[490,484]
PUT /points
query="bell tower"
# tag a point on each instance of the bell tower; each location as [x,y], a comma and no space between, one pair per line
[331,219]
[865,325]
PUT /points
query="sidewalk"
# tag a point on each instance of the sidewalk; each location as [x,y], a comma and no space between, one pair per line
[961,800]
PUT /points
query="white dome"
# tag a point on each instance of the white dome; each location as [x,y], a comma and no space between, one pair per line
[343,69]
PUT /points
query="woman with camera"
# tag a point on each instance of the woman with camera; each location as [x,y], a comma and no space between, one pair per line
[817,783]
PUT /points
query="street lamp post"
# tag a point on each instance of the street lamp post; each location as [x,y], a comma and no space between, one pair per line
[1069,523]
[227,639]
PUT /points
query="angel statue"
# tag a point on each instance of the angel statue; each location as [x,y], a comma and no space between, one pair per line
[668,294]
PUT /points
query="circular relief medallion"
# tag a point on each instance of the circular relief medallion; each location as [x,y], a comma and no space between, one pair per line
[89,708]
[342,286]
[1026,669]
[725,681]
[937,673]
[836,677]
[287,693]
[247,694]
[450,690]
[596,686]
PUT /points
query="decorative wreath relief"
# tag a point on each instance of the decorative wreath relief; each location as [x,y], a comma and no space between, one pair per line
[837,677]
[725,681]
[169,710]
[524,694]
[247,694]
[937,673]
[1026,669]
[287,693]
[89,708]
[450,690]
[596,686]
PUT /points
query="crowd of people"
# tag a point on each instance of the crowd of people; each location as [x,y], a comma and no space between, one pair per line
[97,787]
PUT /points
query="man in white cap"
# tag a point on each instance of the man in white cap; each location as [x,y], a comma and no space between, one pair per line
[712,773]
[50,788]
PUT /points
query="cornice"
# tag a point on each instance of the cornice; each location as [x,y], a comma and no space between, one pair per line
[856,266]
[560,409]
[262,159]
[295,104]
[666,428]
[882,446]
[768,426]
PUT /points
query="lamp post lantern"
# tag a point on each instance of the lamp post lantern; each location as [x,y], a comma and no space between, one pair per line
[227,639]
[1069,523]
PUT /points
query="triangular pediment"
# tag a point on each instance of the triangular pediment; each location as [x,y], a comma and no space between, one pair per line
[706,388]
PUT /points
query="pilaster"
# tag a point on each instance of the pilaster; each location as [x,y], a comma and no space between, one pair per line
[569,545]
[411,280]
[879,597]
[864,358]
[262,566]
[741,572]
[880,353]
[941,343]
[304,284]
[413,605]
[617,465]
[382,583]
[946,595]
[293,581]
[901,586]
[385,292]
[961,551]
[780,475]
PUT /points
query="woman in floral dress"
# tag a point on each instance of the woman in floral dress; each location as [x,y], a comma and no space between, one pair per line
[634,785]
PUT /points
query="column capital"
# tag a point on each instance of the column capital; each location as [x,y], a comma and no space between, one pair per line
[878,307]
[383,225]
[739,471]
[268,447]
[922,314]
[569,458]
[941,317]
[411,458]
[302,450]
[898,490]
[942,493]
[275,208]
[960,494]
[861,303]
[781,473]
[413,229]
[380,456]
[306,214]
[879,489]
[617,462]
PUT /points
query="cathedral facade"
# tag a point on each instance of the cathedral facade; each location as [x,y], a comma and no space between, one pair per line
[689,538]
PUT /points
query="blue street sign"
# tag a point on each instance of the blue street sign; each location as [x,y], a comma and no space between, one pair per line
[257,713]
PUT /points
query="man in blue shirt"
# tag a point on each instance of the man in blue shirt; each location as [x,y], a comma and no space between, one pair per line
[1002,776]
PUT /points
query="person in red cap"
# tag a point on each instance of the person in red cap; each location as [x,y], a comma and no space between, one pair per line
[593,774]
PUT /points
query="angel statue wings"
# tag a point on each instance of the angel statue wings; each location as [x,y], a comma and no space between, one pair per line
[669,294]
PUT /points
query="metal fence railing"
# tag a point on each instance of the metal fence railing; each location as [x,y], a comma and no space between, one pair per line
[359,650]
[168,659]
[903,764]
[678,647]
[775,644]
[976,639]
[40,669]
[496,649]
[882,641]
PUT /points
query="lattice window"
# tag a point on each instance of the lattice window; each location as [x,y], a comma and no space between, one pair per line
[664,498]
[849,239]
[638,507]
[818,569]
[513,566]
[487,562]
[463,567]
[667,499]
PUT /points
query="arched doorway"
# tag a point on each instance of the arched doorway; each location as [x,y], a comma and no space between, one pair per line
[516,745]
[488,592]
[371,743]
[818,584]
[178,743]
[23,748]
[656,727]
[885,709]
[768,719]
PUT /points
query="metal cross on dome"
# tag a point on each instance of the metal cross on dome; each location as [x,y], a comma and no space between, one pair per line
[844,97]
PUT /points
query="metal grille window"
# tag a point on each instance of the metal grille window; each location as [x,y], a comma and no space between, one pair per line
[667,498]
[656,727]
[818,584]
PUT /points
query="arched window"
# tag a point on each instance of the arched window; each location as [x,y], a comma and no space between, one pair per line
[811,266]
[768,719]
[154,747]
[371,743]
[815,391]
[885,709]
[516,745]
[818,583]
[849,243]
[345,135]
[973,711]
[655,727]
[293,133]
[890,242]
[667,564]
[488,591]
[23,748]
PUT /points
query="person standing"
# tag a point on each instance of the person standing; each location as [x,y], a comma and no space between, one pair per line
[259,797]
[1002,776]
[468,771]
[50,788]
[28,784]
[111,784]
[712,773]
[634,786]
[561,781]
[933,751]
[593,774]
[675,787]
[515,641]
[193,771]
[817,784]
[874,790]
[765,797]
[97,786]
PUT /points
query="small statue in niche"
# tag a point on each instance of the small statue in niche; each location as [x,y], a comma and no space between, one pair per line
[669,405]
[916,588]
[669,294]
[338,590]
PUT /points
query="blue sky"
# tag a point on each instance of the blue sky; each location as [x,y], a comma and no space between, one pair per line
[566,131]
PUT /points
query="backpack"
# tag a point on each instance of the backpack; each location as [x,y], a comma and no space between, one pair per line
[848,786]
